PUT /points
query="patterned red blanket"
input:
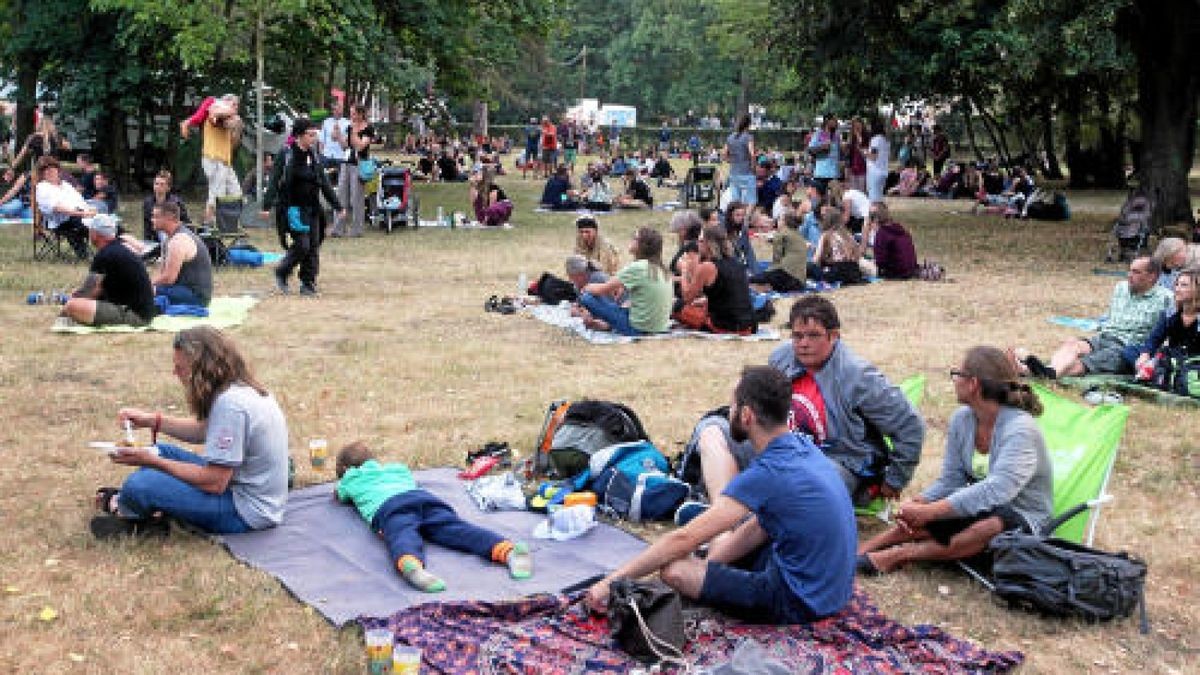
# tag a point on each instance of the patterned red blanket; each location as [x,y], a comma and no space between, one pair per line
[549,635]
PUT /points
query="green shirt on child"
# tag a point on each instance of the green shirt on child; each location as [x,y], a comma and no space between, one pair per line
[371,484]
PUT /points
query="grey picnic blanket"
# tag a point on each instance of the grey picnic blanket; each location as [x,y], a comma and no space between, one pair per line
[328,557]
[557,315]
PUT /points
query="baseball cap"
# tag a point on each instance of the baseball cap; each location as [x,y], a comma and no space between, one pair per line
[104,225]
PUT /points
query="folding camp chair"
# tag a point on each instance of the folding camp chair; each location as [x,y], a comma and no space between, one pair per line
[914,391]
[228,231]
[1082,442]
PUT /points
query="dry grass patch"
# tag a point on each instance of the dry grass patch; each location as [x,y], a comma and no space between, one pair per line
[398,351]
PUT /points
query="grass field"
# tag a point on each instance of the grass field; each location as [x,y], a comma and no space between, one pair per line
[398,351]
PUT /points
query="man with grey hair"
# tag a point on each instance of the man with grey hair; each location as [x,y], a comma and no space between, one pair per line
[117,290]
[1136,306]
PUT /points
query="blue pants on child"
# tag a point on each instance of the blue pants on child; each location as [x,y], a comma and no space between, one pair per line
[411,518]
[148,490]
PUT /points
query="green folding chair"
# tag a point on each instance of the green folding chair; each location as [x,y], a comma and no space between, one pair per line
[914,391]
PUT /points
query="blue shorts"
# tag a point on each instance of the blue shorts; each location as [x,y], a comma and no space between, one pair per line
[753,589]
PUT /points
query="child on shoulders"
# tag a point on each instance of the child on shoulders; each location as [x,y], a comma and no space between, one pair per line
[389,499]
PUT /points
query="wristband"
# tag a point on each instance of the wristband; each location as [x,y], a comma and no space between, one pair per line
[157,426]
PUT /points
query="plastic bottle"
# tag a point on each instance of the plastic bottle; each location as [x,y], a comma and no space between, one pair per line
[441,217]
[1146,370]
[522,285]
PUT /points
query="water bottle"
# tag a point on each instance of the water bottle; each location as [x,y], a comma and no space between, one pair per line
[31,299]
[1145,371]
[522,285]
[441,217]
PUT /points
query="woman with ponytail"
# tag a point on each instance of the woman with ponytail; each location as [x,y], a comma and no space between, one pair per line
[996,474]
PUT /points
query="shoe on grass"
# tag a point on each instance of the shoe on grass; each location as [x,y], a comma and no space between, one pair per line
[109,526]
[308,290]
[281,283]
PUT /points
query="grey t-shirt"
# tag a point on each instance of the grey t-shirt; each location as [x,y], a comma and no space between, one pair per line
[247,431]
[739,154]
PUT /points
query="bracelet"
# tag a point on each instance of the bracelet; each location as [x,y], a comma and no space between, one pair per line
[157,427]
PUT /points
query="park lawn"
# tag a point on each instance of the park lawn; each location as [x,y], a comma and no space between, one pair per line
[398,351]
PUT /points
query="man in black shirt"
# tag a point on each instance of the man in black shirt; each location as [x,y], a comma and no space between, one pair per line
[448,169]
[637,193]
[117,290]
[297,183]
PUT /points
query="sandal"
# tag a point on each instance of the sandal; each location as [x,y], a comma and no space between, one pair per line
[108,526]
[490,449]
[492,304]
[104,500]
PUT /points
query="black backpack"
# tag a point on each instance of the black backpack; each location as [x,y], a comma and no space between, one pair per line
[553,290]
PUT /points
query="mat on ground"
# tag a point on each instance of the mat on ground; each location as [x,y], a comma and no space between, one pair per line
[554,634]
[223,312]
[559,316]
[327,556]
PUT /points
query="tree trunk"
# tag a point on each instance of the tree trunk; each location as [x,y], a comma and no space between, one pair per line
[969,127]
[1046,112]
[27,77]
[1072,138]
[175,113]
[997,134]
[743,100]
[1166,43]
[479,124]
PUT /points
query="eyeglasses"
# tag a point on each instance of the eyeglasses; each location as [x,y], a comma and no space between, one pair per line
[810,335]
[955,372]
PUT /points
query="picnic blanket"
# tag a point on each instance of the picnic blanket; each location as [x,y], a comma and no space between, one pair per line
[557,315]
[469,225]
[16,221]
[1082,323]
[555,634]
[327,556]
[223,312]
[1126,385]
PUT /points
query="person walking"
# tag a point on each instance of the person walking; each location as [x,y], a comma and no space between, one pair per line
[297,184]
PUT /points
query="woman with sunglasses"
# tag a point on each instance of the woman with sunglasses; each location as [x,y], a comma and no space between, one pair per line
[238,484]
[996,474]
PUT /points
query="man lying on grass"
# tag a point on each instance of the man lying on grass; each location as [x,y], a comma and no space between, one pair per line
[793,561]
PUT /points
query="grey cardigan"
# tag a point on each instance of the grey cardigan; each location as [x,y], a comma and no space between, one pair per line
[858,398]
[1019,470]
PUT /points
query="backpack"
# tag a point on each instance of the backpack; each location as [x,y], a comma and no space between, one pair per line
[573,432]
[553,290]
[631,481]
[1047,205]
[1177,373]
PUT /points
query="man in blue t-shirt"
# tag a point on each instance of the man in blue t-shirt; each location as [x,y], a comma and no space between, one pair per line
[793,562]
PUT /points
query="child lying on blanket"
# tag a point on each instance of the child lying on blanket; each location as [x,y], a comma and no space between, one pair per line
[405,516]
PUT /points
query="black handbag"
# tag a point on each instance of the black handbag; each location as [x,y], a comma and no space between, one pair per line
[646,620]
[1061,578]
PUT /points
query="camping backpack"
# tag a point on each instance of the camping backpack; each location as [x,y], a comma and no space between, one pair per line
[631,481]
[573,432]
[1177,373]
[553,290]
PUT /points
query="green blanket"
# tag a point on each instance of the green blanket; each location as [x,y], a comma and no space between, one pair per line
[1125,385]
[223,312]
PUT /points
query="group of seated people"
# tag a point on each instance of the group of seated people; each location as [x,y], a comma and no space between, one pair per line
[817,431]
[594,192]
[985,182]
[1151,313]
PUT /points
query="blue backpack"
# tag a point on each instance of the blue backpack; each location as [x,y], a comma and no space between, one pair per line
[633,481]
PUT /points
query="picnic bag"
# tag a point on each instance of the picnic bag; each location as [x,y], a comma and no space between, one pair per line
[1177,373]
[645,618]
[632,481]
[553,290]
[1061,578]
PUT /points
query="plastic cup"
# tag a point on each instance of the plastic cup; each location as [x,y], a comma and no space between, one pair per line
[318,452]
[379,651]
[406,661]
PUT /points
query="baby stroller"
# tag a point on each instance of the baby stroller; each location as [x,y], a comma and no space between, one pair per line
[395,203]
[1132,229]
[700,186]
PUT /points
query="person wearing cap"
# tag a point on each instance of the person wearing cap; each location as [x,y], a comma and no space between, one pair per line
[297,184]
[116,290]
[186,275]
[61,205]
[597,250]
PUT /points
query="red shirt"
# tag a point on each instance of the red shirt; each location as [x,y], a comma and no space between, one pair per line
[808,409]
[549,137]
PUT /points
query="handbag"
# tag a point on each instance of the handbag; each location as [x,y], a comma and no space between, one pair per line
[646,620]
[1061,578]
[367,170]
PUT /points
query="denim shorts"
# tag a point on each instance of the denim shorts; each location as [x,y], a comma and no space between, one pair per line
[753,589]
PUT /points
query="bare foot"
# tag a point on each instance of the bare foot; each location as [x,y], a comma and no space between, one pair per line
[595,324]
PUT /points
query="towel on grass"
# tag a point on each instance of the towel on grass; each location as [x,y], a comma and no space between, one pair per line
[1086,324]
[557,315]
[223,312]
[1127,385]
[328,557]
[469,225]
[555,634]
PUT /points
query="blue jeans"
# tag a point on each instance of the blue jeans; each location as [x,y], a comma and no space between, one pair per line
[409,519]
[15,209]
[148,490]
[180,295]
[607,310]
[743,189]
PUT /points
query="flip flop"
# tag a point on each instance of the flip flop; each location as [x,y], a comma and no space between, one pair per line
[104,499]
[492,304]
[864,566]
